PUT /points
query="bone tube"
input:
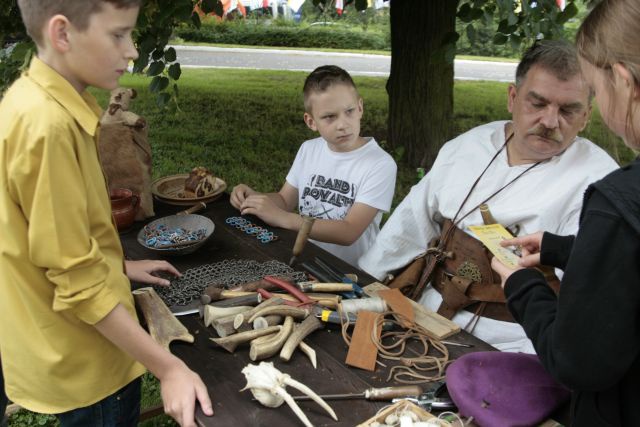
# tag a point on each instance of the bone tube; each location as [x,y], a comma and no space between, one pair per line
[269,348]
[230,343]
[300,332]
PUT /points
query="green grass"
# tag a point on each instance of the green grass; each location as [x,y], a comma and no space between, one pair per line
[247,125]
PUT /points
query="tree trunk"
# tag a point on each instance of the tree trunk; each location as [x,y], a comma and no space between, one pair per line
[420,85]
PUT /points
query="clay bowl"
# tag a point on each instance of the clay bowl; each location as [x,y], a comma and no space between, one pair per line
[189,222]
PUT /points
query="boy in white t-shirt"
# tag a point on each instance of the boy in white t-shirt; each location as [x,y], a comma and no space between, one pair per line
[342,179]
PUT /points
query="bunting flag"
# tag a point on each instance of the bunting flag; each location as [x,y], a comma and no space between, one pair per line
[561,4]
[339,6]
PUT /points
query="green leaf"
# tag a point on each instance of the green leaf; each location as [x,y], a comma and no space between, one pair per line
[155,68]
[361,4]
[500,38]
[195,20]
[208,6]
[471,33]
[476,14]
[157,54]
[148,44]
[218,9]
[162,99]
[141,63]
[502,26]
[515,41]
[464,13]
[175,71]
[569,12]
[512,19]
[170,55]
[158,84]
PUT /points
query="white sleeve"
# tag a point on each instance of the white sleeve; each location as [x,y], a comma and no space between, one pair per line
[293,177]
[378,187]
[405,235]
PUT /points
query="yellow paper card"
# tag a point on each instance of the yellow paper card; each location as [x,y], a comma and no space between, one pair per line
[491,235]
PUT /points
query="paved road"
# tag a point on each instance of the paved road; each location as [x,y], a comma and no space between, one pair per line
[302,60]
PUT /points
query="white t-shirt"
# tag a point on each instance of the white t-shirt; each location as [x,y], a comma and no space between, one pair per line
[329,183]
[548,197]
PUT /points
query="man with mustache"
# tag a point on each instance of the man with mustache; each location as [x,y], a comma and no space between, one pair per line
[530,171]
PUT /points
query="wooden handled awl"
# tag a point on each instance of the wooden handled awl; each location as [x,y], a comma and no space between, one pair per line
[302,237]
[385,393]
[163,325]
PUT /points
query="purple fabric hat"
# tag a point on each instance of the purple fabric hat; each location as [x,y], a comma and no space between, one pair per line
[503,389]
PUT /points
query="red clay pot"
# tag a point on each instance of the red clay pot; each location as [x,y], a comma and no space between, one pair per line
[124,206]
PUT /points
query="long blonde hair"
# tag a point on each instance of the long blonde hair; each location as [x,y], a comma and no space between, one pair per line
[610,34]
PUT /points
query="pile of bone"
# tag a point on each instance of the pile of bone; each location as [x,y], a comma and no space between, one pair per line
[270,328]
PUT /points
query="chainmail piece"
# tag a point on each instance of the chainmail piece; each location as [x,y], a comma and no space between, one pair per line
[227,274]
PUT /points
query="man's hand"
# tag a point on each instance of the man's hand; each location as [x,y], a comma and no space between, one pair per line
[145,271]
[180,388]
[239,194]
[530,245]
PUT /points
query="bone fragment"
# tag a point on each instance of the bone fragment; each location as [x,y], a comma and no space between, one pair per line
[230,343]
[263,322]
[310,352]
[163,325]
[267,349]
[265,338]
[282,310]
[306,390]
[300,332]
[211,313]
[241,320]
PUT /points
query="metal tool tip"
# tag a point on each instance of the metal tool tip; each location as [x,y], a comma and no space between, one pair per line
[292,261]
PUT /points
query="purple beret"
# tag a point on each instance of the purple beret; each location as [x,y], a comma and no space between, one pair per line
[503,389]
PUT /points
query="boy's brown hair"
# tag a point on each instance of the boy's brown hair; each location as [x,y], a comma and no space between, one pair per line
[36,12]
[322,78]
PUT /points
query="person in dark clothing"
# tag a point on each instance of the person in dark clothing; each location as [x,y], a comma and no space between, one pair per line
[588,337]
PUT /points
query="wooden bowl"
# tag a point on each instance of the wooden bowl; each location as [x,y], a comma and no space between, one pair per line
[170,190]
[189,222]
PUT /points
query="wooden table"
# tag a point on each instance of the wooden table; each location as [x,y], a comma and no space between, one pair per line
[220,370]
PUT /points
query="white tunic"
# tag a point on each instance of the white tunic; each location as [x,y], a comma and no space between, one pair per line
[330,182]
[548,197]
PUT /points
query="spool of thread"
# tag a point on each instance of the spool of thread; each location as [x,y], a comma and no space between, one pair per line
[375,304]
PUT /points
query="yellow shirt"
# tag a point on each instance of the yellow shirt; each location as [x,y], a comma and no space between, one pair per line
[61,262]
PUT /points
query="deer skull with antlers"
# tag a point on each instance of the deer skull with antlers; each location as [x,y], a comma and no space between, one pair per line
[268,386]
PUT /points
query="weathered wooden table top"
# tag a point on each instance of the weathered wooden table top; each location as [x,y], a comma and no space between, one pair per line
[220,370]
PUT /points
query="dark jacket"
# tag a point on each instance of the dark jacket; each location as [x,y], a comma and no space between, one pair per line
[589,337]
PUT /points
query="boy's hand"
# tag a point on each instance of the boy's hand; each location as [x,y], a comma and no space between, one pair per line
[181,387]
[266,209]
[145,271]
[239,194]
[530,245]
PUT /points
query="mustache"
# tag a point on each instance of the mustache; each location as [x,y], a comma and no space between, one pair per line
[544,132]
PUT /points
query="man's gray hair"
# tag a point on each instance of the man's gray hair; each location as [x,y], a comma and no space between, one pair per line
[558,57]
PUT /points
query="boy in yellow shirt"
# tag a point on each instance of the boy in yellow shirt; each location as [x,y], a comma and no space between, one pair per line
[70,341]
